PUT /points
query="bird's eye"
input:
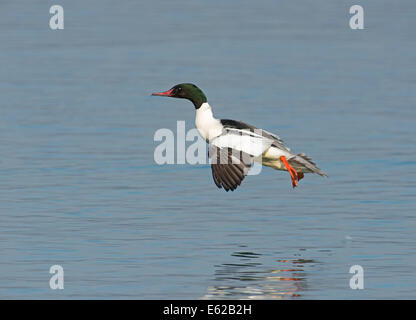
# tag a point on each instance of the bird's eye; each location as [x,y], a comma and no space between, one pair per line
[179,89]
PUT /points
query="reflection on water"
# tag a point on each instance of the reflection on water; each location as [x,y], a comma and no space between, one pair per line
[251,277]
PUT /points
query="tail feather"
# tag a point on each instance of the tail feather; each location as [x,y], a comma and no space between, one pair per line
[303,163]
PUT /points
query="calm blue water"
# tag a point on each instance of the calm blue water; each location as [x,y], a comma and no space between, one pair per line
[79,186]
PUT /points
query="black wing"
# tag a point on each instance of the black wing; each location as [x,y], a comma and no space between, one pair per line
[229,167]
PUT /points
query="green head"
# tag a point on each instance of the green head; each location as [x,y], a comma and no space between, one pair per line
[185,91]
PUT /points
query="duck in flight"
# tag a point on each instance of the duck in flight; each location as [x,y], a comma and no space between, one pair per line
[234,145]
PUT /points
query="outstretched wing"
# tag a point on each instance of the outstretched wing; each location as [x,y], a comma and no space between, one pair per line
[229,166]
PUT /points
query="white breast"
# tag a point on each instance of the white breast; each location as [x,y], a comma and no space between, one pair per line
[207,125]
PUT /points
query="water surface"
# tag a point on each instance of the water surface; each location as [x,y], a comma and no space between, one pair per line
[79,186]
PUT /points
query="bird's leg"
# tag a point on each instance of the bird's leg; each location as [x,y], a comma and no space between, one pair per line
[293,173]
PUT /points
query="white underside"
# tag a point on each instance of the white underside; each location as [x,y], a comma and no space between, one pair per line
[271,158]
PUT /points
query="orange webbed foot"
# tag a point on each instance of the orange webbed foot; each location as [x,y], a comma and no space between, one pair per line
[293,174]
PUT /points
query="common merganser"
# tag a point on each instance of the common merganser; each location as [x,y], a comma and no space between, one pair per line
[239,144]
